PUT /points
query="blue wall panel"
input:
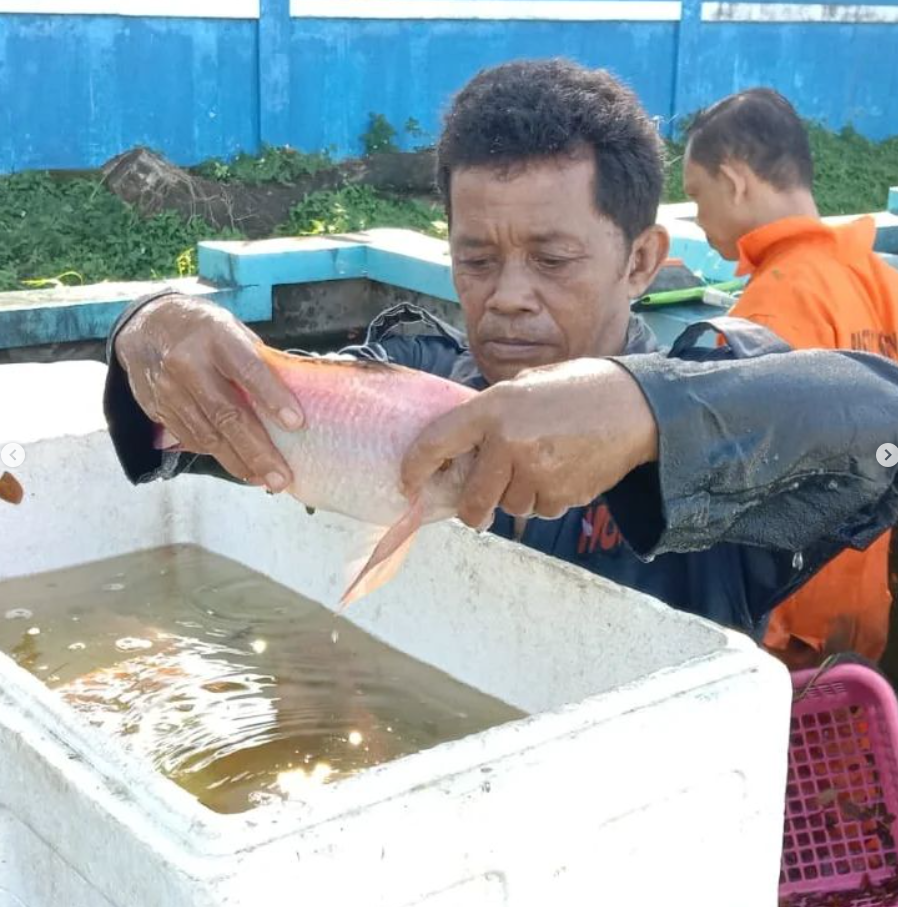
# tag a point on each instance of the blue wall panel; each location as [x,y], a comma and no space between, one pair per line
[77,90]
[838,74]
[342,70]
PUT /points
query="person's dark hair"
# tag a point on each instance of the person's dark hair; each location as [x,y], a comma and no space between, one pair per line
[760,128]
[516,112]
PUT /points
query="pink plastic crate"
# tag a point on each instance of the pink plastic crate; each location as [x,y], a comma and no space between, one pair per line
[839,843]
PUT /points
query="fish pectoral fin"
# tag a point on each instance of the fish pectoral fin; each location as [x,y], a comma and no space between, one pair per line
[387,556]
[164,440]
[10,489]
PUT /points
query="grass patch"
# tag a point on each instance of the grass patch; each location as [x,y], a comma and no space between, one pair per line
[75,230]
[271,165]
[357,207]
[853,174]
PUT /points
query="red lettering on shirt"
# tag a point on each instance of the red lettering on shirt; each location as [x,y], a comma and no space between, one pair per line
[598,530]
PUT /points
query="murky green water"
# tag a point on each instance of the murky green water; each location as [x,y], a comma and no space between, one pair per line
[236,688]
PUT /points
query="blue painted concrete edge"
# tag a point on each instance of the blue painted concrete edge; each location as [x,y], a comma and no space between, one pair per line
[241,276]
[244,264]
[31,324]
[411,273]
[242,279]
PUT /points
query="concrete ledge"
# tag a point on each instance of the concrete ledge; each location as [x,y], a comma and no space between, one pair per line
[67,314]
[242,277]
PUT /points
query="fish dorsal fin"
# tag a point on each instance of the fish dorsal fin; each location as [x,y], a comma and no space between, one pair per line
[387,557]
[298,358]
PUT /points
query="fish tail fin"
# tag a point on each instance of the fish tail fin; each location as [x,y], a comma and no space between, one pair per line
[387,557]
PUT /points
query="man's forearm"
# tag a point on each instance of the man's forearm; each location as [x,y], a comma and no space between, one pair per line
[776,451]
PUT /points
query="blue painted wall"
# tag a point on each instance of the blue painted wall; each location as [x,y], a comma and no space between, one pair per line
[411,69]
[76,90]
[838,74]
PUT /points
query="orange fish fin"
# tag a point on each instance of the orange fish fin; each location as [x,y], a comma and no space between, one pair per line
[388,555]
[11,489]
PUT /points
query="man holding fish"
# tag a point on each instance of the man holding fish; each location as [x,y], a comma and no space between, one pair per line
[717,479]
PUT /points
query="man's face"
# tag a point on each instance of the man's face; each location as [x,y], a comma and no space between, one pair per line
[718,212]
[542,276]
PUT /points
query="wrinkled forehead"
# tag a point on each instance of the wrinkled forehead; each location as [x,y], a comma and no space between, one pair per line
[508,169]
[554,194]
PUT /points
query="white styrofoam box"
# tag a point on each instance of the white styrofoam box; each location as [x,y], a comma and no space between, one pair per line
[650,769]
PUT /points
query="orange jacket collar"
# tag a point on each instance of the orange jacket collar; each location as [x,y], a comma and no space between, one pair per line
[755,245]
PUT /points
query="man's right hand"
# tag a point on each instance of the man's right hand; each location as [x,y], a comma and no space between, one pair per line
[185,359]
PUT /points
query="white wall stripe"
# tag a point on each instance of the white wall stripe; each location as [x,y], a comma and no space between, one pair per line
[181,9]
[547,10]
[544,10]
[799,12]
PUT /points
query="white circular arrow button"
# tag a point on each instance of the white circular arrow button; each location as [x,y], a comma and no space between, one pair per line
[887,455]
[12,455]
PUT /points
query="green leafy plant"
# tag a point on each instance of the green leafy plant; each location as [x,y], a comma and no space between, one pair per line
[360,207]
[379,136]
[63,231]
[272,165]
[67,231]
[852,174]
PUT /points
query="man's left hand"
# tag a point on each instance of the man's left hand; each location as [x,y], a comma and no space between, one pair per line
[550,439]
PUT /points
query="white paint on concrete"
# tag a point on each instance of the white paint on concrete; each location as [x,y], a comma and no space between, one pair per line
[193,9]
[546,10]
[845,13]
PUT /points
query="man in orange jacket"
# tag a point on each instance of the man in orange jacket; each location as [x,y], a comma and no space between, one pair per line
[748,167]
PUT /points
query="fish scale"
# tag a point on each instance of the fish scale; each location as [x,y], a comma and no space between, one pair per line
[360,419]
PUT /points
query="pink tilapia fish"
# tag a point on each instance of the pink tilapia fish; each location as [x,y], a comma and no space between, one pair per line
[361,417]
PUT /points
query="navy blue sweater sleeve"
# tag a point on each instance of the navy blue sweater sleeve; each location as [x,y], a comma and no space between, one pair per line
[776,450]
[775,454]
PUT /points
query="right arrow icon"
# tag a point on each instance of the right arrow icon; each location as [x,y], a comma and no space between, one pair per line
[887,454]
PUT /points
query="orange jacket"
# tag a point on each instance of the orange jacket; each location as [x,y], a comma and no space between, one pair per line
[819,286]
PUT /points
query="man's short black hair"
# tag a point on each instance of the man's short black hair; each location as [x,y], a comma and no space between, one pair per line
[760,128]
[530,109]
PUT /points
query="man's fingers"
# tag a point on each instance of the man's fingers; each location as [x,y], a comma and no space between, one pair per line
[457,432]
[231,461]
[218,448]
[239,429]
[485,487]
[240,362]
[520,496]
[199,435]
[549,507]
